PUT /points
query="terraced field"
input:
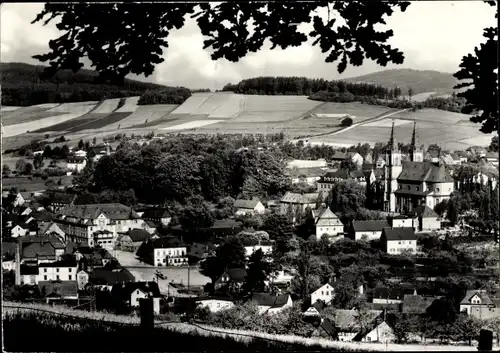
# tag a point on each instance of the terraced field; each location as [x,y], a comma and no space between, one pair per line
[433,126]
[64,114]
[146,114]
[24,113]
[8,108]
[129,106]
[193,103]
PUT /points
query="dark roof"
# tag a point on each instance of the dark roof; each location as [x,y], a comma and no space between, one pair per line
[424,171]
[272,300]
[29,270]
[480,293]
[399,233]
[114,211]
[111,276]
[62,197]
[412,192]
[338,155]
[423,211]
[392,292]
[8,247]
[382,306]
[137,235]
[42,216]
[369,226]
[156,213]
[215,297]
[236,274]
[327,326]
[416,304]
[59,288]
[126,289]
[61,263]
[318,305]
[389,318]
[38,250]
[168,242]
[246,204]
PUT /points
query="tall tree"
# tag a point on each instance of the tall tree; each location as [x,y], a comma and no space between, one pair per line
[230,254]
[257,273]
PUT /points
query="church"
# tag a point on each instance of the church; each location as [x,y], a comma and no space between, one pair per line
[413,183]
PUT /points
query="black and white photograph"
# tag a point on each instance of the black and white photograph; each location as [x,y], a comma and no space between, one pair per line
[250,176]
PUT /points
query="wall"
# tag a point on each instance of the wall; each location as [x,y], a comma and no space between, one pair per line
[386,301]
[82,280]
[266,249]
[398,246]
[135,296]
[430,224]
[215,305]
[325,293]
[407,222]
[173,253]
[370,235]
[382,333]
[55,273]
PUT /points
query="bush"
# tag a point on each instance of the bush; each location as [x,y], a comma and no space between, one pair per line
[346,122]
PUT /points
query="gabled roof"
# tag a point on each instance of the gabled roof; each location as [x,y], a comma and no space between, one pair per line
[59,288]
[394,293]
[272,300]
[236,274]
[416,304]
[61,263]
[111,276]
[338,155]
[369,226]
[114,211]
[423,211]
[137,235]
[156,213]
[388,318]
[424,171]
[27,270]
[297,198]
[126,289]
[485,299]
[345,320]
[327,326]
[42,216]
[168,242]
[246,204]
[399,233]
[328,214]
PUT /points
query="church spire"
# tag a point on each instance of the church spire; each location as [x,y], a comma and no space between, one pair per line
[414,137]
[393,144]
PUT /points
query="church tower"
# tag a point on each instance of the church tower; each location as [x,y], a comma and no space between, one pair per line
[416,152]
[393,169]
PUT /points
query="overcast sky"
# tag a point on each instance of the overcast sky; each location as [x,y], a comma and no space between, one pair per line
[434,35]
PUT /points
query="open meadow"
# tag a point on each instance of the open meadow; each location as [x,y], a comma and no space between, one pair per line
[33,184]
[224,112]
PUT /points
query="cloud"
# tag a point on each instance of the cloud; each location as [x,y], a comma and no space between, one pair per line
[434,35]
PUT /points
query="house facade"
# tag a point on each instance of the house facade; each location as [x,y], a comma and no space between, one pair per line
[303,200]
[169,251]
[270,304]
[329,223]
[76,163]
[216,304]
[399,240]
[325,293]
[266,247]
[367,230]
[327,181]
[249,207]
[477,303]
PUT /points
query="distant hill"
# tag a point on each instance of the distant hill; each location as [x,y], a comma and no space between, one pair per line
[23,85]
[419,80]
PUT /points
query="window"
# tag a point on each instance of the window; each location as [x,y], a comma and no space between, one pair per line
[57,269]
[322,293]
[417,188]
[437,189]
[70,277]
[45,270]
[44,278]
[218,305]
[57,277]
[408,187]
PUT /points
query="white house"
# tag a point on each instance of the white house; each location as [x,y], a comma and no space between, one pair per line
[49,271]
[425,219]
[157,216]
[329,223]
[169,251]
[215,304]
[82,279]
[301,163]
[9,265]
[133,292]
[306,175]
[268,303]
[478,304]
[76,163]
[324,293]
[244,207]
[399,240]
[265,246]
[303,200]
[21,230]
[380,332]
[369,230]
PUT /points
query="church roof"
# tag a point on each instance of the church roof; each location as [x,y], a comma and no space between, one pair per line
[424,171]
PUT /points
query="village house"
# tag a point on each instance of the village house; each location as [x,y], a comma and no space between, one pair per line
[92,257]
[105,277]
[132,240]
[380,163]
[59,290]
[391,295]
[159,216]
[416,304]
[165,251]
[59,200]
[325,293]
[464,157]
[477,303]
[232,278]
[432,156]
[265,246]
[23,226]
[345,326]
[425,219]
[62,270]
[354,157]
[315,309]
[97,224]
[304,200]
[11,200]
[329,223]
[478,151]
[249,207]
[369,230]
[328,180]
[37,249]
[47,228]
[306,175]
[216,304]
[132,292]
[270,304]
[399,240]
[101,151]
[76,163]
[379,330]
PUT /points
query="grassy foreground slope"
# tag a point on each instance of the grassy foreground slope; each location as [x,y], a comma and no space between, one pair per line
[65,331]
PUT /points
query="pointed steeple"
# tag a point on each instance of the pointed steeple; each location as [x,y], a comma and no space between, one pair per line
[414,137]
[393,144]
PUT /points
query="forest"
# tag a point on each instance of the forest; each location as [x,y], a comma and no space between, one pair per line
[25,85]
